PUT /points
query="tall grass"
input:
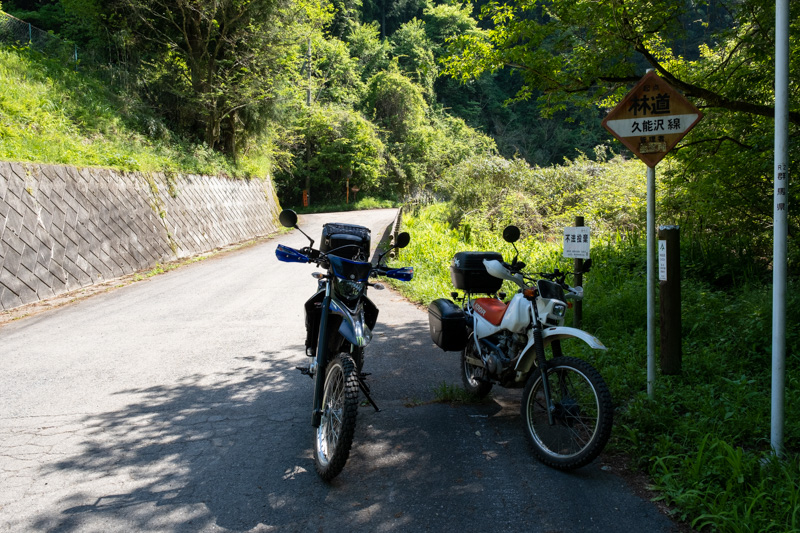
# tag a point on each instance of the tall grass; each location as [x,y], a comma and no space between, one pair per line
[54,115]
[704,437]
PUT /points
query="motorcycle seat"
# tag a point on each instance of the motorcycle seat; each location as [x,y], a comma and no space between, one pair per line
[491,309]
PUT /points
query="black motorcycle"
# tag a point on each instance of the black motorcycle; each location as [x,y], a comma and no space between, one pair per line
[339,323]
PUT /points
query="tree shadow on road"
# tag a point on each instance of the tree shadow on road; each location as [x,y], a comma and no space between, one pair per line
[219,449]
[232,451]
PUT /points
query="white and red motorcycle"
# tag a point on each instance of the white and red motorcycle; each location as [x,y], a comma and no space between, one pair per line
[566,404]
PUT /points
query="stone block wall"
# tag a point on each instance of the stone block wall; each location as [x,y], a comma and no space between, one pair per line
[63,228]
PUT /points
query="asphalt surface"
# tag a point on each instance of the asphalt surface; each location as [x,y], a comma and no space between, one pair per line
[173,405]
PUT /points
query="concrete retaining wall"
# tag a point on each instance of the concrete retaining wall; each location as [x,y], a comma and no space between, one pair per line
[63,228]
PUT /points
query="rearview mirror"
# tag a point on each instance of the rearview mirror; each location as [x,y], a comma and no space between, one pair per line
[402,240]
[288,218]
[511,234]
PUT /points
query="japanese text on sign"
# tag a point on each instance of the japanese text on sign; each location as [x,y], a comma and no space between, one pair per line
[780,188]
[577,242]
[651,119]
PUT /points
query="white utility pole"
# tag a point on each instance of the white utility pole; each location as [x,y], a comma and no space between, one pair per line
[781,208]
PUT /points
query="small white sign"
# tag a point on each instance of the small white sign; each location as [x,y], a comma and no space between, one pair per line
[577,242]
[662,260]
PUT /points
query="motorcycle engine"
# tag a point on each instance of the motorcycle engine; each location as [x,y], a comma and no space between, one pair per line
[500,356]
[511,344]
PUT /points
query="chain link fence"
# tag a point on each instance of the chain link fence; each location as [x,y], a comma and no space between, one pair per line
[16,32]
[117,71]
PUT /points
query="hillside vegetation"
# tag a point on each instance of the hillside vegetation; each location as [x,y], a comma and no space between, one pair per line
[52,114]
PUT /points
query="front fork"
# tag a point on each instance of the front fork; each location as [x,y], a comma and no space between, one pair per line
[322,347]
[538,342]
[321,360]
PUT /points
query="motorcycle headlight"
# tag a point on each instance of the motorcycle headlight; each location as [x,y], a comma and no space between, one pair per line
[559,310]
[349,290]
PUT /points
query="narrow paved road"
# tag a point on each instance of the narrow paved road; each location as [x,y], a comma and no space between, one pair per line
[172,405]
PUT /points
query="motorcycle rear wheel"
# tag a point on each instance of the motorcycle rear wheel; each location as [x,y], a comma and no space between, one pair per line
[334,436]
[583,414]
[472,376]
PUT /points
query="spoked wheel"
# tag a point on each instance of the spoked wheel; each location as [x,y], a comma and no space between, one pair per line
[582,415]
[334,436]
[472,375]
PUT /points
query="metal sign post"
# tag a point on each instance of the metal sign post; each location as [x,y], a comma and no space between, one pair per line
[780,228]
[650,121]
[651,280]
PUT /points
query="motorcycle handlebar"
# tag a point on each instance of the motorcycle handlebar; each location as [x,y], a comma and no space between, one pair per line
[290,255]
[514,267]
[310,255]
[402,273]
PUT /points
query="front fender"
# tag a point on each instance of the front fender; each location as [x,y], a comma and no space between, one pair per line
[354,327]
[549,335]
[562,332]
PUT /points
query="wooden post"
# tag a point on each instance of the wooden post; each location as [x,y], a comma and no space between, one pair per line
[669,259]
[577,308]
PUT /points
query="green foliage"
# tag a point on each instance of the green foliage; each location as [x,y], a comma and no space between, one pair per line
[729,170]
[447,393]
[392,13]
[47,15]
[397,106]
[402,145]
[434,242]
[414,53]
[331,145]
[59,116]
[491,192]
[215,66]
[452,142]
[720,54]
[432,247]
[704,437]
[371,52]
[346,17]
[337,73]
[447,21]
[357,202]
[395,103]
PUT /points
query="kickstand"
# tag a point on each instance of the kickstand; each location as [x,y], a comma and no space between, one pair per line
[365,389]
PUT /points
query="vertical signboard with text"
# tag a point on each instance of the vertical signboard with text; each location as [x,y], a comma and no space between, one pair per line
[576,242]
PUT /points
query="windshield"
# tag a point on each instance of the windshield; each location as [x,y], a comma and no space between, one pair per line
[349,270]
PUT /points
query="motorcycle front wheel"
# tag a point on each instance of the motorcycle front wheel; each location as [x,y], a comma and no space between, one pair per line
[334,436]
[582,414]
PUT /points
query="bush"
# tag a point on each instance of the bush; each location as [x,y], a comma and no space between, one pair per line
[342,146]
[491,191]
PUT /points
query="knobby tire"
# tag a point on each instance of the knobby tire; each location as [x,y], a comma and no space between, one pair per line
[334,436]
